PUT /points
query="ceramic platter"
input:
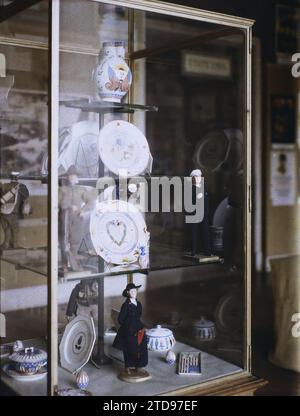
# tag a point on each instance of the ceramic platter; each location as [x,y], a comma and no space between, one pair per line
[118,230]
[73,392]
[79,148]
[77,343]
[122,146]
[9,370]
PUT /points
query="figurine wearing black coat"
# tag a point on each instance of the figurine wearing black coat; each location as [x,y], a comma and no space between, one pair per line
[131,337]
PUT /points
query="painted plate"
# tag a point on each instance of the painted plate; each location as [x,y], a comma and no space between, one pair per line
[122,146]
[118,231]
[9,370]
[77,343]
[79,148]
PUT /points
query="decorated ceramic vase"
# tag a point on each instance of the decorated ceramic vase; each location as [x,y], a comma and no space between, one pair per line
[171,357]
[29,360]
[112,75]
[144,251]
[82,380]
[160,339]
[204,330]
[18,346]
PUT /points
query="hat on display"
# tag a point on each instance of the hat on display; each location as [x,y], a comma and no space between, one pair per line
[129,287]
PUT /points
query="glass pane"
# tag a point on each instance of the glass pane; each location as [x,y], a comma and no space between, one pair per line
[24,194]
[164,98]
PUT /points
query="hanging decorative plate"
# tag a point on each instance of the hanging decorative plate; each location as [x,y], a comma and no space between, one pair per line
[77,343]
[122,146]
[79,148]
[118,229]
[9,370]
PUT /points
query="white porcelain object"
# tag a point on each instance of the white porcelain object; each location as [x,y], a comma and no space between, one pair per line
[9,370]
[112,75]
[29,360]
[171,357]
[77,343]
[82,380]
[123,148]
[160,339]
[118,230]
[18,346]
[204,330]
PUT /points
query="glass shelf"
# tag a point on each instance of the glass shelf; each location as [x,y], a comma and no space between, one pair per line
[161,258]
[105,106]
[32,259]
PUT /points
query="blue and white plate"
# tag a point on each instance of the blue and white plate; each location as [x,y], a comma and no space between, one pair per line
[9,370]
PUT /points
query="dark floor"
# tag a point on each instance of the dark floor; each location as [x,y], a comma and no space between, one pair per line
[281,382]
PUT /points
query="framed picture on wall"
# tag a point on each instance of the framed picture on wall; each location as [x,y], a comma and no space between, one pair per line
[283,119]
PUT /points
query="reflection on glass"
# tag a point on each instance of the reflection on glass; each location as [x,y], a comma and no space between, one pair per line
[182,84]
[23,198]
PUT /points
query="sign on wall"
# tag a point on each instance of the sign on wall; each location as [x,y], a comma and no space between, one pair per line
[212,66]
[283,178]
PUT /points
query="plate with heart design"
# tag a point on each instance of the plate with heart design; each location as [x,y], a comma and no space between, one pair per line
[123,147]
[118,230]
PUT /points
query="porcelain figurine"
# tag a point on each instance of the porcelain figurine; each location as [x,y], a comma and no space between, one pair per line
[13,206]
[112,75]
[171,357]
[160,339]
[199,233]
[131,337]
[82,380]
[18,346]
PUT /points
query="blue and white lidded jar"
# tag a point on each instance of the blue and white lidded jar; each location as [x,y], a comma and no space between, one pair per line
[204,330]
[160,339]
[29,360]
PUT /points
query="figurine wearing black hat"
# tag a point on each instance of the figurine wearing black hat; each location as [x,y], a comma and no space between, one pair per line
[131,337]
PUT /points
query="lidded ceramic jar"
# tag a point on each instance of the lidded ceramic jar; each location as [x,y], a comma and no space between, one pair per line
[29,360]
[204,330]
[112,75]
[160,339]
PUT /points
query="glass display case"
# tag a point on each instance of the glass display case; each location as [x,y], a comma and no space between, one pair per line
[125,160]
